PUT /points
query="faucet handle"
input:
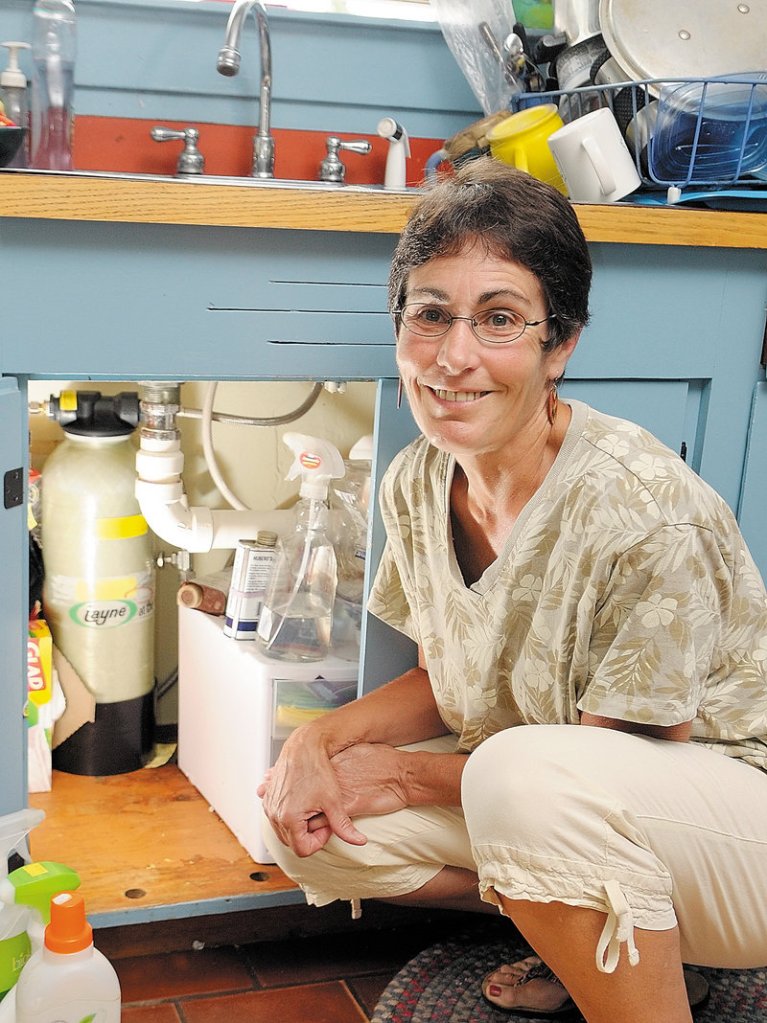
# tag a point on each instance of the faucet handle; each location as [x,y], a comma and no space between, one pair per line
[331,168]
[191,160]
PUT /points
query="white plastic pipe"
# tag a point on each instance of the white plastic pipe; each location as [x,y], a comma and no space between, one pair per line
[163,503]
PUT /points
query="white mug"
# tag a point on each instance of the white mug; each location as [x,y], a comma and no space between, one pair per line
[593,159]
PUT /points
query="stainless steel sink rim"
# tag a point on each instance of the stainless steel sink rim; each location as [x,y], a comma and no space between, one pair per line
[221,180]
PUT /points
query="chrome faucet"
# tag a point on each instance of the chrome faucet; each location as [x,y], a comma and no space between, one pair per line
[228,64]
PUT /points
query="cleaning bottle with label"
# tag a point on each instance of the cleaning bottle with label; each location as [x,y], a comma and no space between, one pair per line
[33,886]
[68,980]
[14,941]
[297,614]
[54,47]
[13,93]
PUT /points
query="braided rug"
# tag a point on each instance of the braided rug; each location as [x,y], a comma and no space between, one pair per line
[442,985]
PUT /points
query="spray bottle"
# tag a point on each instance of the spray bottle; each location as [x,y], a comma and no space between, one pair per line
[297,613]
[14,941]
[68,980]
[28,890]
[399,150]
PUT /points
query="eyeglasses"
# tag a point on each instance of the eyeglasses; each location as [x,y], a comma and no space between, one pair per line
[491,326]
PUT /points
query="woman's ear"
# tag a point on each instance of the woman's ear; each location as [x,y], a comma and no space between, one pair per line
[560,356]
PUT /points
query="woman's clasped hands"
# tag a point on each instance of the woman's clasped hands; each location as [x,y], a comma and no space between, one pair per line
[309,796]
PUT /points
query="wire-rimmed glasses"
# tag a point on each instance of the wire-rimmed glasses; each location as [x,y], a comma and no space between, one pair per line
[490,326]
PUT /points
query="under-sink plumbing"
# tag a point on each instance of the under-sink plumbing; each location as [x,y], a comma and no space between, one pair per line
[228,64]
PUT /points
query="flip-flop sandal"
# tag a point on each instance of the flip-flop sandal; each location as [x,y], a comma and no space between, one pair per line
[698,992]
[536,971]
[698,989]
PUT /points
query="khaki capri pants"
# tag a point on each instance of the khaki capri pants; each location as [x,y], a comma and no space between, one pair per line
[655,834]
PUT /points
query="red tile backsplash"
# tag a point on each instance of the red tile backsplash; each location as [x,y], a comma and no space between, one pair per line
[124,144]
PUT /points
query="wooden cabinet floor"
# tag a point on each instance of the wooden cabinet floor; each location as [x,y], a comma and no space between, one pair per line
[147,843]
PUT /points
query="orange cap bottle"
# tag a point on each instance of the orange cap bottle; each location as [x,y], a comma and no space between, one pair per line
[68,931]
[67,980]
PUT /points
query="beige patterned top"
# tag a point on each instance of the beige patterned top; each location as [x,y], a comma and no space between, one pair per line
[625,589]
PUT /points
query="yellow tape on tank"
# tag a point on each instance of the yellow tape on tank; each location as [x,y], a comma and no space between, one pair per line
[123,528]
[119,587]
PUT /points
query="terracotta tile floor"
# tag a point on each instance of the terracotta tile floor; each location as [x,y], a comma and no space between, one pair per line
[327,979]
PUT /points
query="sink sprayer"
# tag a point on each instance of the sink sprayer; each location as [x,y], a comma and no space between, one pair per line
[399,150]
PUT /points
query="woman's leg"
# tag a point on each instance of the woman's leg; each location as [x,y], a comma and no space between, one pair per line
[557,812]
[420,855]
[565,938]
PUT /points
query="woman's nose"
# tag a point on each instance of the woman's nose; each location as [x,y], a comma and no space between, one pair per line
[458,348]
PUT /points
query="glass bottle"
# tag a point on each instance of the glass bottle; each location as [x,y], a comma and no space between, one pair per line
[54,47]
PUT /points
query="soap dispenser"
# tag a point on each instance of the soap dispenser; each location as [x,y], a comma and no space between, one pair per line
[399,150]
[13,93]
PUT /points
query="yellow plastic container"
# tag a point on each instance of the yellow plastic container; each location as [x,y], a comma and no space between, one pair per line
[521,141]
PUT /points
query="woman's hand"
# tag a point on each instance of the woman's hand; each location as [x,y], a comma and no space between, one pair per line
[370,778]
[309,796]
[303,800]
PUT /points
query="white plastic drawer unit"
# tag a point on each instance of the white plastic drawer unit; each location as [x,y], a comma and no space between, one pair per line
[236,708]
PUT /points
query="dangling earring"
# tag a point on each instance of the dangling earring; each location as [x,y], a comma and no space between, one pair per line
[552,403]
[399,393]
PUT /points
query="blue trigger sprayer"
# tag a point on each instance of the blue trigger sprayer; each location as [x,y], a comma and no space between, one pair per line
[297,614]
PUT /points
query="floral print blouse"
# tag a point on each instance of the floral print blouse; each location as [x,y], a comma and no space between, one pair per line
[624,589]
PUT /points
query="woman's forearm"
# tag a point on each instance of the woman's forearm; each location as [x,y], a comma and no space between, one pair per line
[398,713]
[432,779]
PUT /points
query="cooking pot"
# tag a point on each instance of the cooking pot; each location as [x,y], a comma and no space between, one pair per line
[683,38]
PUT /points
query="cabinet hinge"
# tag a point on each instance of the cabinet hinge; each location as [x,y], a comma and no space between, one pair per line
[13,488]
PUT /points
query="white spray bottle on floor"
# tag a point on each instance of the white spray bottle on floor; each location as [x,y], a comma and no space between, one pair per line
[399,150]
[68,980]
[15,946]
[297,614]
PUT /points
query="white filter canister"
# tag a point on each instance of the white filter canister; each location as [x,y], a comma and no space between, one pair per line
[99,587]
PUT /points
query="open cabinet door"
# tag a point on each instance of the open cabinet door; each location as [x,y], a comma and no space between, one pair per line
[14,559]
[753,499]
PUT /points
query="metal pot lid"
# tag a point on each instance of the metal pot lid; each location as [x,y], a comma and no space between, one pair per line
[684,38]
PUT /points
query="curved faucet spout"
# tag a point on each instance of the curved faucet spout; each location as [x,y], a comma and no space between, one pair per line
[228,64]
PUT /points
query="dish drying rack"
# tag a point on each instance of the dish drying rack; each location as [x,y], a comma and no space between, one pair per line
[628,99]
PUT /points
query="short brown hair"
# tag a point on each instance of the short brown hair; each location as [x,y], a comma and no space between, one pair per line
[518,218]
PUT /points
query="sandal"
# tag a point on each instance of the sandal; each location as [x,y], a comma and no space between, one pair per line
[560,1004]
[698,989]
[542,985]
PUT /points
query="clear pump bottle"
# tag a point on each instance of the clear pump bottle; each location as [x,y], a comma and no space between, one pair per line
[297,614]
[54,48]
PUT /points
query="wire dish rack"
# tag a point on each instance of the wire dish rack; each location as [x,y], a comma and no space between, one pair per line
[707,132]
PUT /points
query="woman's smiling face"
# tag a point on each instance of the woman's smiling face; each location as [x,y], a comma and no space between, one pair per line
[468,397]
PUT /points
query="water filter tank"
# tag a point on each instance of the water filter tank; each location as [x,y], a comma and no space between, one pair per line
[98,593]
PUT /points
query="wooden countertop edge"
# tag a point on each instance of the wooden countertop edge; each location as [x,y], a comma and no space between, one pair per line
[128,200]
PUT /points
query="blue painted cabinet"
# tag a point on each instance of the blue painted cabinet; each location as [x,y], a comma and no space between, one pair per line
[674,343]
